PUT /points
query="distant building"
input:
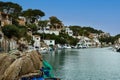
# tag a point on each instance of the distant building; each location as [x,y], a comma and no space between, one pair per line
[96,42]
[104,35]
[21,20]
[50,42]
[84,42]
[94,39]
[78,37]
[87,42]
[36,44]
[69,32]
[51,29]
[119,40]
[47,30]
[5,19]
[93,35]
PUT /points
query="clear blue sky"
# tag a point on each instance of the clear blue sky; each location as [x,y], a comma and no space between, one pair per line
[99,14]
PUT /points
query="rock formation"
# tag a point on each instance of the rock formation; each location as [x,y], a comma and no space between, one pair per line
[15,65]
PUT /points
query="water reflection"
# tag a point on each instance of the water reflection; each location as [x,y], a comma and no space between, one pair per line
[85,64]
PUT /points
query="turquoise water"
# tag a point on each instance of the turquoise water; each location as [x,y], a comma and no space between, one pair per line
[85,64]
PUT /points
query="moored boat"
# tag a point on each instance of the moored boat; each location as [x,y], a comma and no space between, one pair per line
[118,50]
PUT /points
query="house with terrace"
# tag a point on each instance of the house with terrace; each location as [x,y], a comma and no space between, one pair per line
[51,29]
[21,20]
[5,19]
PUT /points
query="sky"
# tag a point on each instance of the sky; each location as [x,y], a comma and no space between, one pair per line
[100,14]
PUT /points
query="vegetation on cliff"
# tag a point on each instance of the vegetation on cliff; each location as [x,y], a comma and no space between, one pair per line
[78,30]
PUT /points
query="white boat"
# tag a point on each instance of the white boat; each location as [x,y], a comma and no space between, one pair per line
[59,46]
[67,46]
[43,50]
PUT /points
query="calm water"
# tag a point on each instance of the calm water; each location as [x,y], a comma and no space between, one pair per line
[85,64]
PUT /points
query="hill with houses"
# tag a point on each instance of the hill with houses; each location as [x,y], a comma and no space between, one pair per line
[25,30]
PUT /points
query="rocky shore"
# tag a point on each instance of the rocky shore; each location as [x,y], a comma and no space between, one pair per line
[17,64]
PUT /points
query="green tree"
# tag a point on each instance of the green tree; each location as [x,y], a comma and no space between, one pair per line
[14,31]
[78,30]
[43,23]
[55,22]
[116,36]
[10,31]
[33,14]
[107,40]
[22,31]
[10,8]
[32,27]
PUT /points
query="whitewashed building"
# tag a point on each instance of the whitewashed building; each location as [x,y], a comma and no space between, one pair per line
[36,44]
[96,42]
[70,32]
[5,19]
[84,42]
[50,42]
[47,30]
[119,40]
[22,20]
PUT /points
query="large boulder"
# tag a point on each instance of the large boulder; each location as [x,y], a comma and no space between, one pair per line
[12,68]
[5,62]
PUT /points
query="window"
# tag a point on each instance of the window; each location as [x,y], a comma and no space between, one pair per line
[37,38]
[0,36]
[0,23]
[50,41]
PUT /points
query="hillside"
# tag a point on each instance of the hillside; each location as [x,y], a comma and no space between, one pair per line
[78,30]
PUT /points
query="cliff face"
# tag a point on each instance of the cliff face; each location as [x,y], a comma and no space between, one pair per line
[13,66]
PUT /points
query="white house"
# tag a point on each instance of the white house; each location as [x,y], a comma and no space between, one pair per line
[5,19]
[47,30]
[22,20]
[78,37]
[84,42]
[50,42]
[70,32]
[96,42]
[118,40]
[36,44]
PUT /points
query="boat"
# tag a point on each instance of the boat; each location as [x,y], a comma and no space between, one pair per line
[118,50]
[117,47]
[67,46]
